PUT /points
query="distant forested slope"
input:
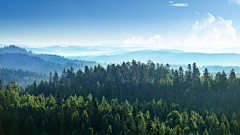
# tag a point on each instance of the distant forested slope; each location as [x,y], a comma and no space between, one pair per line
[46,57]
[14,49]
[62,60]
[33,63]
[22,77]
[14,57]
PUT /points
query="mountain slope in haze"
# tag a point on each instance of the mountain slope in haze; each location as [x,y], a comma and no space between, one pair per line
[222,59]
[22,77]
[28,63]
[14,57]
[34,64]
[46,57]
[14,49]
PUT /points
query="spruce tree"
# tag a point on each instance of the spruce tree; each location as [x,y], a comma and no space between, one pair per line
[149,125]
[58,100]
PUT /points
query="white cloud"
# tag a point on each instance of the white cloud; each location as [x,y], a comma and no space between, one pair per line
[196,27]
[211,18]
[157,39]
[209,34]
[170,1]
[134,40]
[11,39]
[197,13]
[213,32]
[179,4]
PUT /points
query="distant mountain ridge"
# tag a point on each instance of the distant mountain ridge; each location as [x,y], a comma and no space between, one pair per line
[13,49]
[46,57]
[214,62]
[183,58]
[14,57]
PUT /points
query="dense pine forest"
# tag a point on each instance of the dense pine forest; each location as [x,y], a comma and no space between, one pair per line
[130,98]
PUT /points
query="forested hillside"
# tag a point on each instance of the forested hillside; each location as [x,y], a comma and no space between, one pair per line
[131,98]
[28,63]
[46,57]
[14,49]
[34,64]
[14,57]
[62,60]
[22,77]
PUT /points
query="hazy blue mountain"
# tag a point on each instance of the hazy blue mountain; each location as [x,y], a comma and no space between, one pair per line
[90,50]
[46,57]
[14,49]
[214,62]
[183,58]
[35,64]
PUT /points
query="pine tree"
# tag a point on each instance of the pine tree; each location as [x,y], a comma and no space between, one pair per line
[58,100]
[134,112]
[180,71]
[178,130]
[55,78]
[176,81]
[206,77]
[189,75]
[149,125]
[195,77]
[167,130]
[117,124]
[104,123]
[205,132]
[109,131]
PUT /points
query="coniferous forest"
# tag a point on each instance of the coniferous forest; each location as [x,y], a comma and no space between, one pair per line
[132,98]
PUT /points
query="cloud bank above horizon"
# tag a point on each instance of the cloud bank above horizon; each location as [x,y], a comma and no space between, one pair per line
[208,32]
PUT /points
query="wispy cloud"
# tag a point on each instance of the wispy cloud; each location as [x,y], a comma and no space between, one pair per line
[197,13]
[12,39]
[170,1]
[157,39]
[179,4]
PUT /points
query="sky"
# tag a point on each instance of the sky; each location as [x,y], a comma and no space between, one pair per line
[211,26]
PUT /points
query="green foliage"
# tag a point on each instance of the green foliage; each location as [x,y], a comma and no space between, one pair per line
[188,108]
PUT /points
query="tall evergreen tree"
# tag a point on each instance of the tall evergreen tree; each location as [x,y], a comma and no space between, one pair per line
[176,81]
[58,100]
[206,77]
[180,71]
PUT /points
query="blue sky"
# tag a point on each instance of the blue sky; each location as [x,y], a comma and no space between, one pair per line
[189,25]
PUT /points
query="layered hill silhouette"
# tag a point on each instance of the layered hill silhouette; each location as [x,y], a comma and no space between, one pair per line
[14,57]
